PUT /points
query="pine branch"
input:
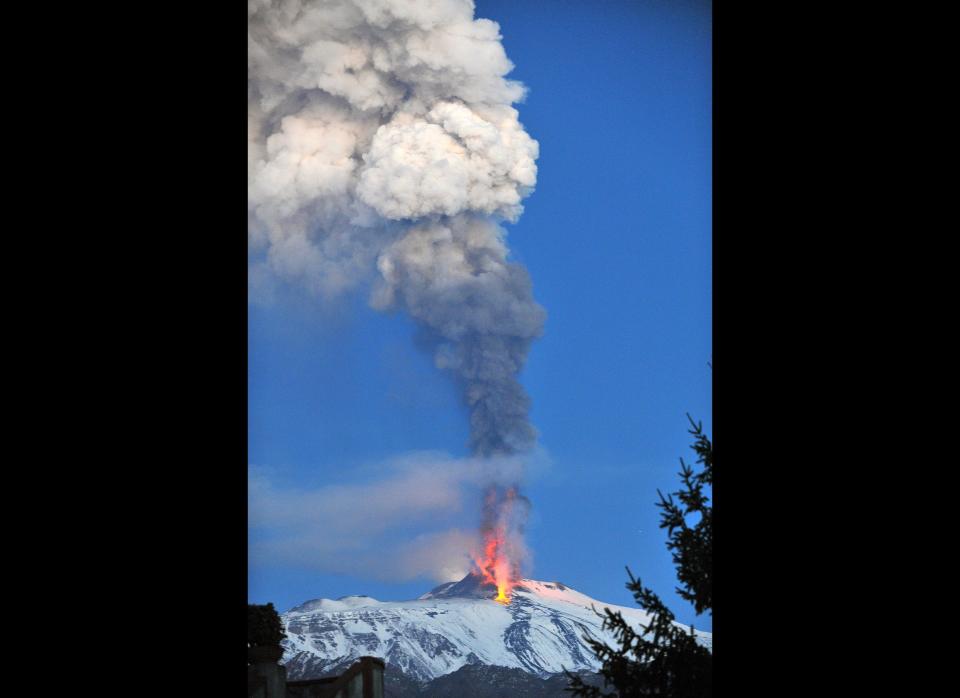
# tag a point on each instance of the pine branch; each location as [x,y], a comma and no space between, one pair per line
[661,658]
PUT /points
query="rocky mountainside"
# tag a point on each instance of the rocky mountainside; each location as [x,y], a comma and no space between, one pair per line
[475,681]
[455,636]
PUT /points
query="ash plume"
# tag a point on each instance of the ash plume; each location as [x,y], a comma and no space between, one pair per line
[504,518]
[383,149]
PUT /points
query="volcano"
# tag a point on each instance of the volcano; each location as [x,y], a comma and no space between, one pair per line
[455,628]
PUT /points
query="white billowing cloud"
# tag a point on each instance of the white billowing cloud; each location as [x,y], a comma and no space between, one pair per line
[413,520]
[305,224]
[377,55]
[364,112]
[452,160]
[382,139]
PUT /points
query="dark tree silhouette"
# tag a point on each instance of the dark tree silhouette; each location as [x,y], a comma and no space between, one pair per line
[662,659]
[264,627]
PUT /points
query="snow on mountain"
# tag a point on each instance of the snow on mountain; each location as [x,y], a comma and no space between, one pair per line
[456,624]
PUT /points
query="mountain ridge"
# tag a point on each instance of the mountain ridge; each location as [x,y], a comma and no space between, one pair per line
[454,625]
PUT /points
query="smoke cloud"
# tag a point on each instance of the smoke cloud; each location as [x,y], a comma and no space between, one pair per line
[384,149]
[408,519]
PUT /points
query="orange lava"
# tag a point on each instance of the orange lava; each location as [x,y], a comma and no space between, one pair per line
[495,565]
[502,595]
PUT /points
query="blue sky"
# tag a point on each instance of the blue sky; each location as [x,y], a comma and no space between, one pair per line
[617,240]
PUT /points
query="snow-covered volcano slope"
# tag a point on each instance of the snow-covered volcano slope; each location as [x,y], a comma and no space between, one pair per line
[540,631]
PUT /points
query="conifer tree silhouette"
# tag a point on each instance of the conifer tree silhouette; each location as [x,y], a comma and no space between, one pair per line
[662,659]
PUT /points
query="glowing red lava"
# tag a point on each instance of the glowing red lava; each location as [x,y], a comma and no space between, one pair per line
[496,565]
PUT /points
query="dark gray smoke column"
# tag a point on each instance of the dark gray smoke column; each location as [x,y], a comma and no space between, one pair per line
[382,139]
[453,276]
